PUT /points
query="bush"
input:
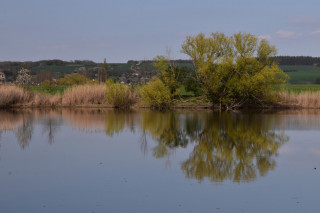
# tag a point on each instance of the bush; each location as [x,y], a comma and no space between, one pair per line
[74,79]
[48,86]
[120,95]
[156,94]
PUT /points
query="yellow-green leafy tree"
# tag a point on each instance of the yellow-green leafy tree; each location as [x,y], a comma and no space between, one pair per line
[235,70]
[170,74]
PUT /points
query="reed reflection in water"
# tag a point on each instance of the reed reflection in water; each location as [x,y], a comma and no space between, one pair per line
[226,146]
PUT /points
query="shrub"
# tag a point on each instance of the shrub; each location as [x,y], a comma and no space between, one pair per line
[74,79]
[120,95]
[156,94]
[48,86]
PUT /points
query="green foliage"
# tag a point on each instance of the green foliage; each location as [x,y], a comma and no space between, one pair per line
[120,95]
[74,79]
[171,75]
[192,84]
[234,70]
[48,86]
[54,90]
[156,94]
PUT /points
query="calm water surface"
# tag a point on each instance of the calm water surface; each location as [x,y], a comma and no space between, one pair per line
[149,161]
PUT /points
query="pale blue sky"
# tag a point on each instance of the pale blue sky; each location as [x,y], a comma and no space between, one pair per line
[126,29]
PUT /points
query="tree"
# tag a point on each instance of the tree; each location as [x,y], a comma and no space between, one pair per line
[103,73]
[23,78]
[169,73]
[234,70]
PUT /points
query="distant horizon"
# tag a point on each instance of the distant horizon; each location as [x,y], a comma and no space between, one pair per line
[72,60]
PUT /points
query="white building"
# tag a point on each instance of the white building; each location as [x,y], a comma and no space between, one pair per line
[2,77]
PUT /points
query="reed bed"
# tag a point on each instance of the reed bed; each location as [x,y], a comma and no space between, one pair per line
[302,100]
[84,95]
[10,95]
[118,96]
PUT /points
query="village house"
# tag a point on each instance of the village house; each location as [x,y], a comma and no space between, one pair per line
[2,77]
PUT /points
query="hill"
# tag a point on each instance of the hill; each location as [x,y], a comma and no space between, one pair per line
[301,69]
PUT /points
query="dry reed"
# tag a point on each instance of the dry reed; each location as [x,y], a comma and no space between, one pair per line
[301,100]
[10,95]
[16,96]
[84,94]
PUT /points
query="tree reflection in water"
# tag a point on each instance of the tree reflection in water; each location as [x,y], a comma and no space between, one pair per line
[233,147]
[226,146]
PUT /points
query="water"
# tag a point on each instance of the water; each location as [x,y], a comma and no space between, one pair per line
[148,161]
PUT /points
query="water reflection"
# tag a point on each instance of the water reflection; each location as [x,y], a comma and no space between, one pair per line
[231,146]
[226,146]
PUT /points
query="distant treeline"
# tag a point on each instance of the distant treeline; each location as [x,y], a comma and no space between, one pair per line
[151,61]
[297,60]
[13,65]
[281,60]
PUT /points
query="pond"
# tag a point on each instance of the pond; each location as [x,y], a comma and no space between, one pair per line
[100,160]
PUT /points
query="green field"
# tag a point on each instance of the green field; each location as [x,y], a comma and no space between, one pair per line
[302,74]
[46,90]
[297,74]
[298,88]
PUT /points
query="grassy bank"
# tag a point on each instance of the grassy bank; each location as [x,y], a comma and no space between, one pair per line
[13,96]
[298,88]
[293,96]
[53,90]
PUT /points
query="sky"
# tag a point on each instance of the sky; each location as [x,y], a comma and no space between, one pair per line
[122,30]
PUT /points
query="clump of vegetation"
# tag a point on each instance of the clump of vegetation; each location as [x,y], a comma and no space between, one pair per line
[156,94]
[170,74]
[10,95]
[48,86]
[120,95]
[306,99]
[74,79]
[84,94]
[235,70]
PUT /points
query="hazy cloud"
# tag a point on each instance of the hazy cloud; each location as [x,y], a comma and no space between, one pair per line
[267,37]
[304,20]
[316,32]
[287,34]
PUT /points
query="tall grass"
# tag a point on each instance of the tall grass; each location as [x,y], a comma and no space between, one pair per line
[306,99]
[84,94]
[12,95]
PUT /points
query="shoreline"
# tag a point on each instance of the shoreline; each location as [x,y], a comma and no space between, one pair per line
[177,107]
